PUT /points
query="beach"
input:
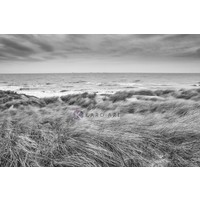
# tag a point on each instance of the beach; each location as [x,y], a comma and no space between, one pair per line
[156,126]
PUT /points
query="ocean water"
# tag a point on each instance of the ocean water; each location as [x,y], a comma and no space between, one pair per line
[45,85]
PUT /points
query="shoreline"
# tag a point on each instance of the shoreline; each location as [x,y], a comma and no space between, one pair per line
[115,96]
[49,93]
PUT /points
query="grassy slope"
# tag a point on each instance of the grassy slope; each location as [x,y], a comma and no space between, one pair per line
[161,128]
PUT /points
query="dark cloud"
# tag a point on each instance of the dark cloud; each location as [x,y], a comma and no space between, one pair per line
[3,56]
[44,47]
[191,54]
[14,45]
[198,52]
[181,37]
[148,36]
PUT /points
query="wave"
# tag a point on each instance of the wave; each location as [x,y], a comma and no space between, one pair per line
[68,86]
[64,90]
[124,85]
[28,88]
[77,81]
[129,84]
[107,84]
[130,87]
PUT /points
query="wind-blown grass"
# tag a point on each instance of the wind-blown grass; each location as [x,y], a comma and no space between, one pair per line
[43,132]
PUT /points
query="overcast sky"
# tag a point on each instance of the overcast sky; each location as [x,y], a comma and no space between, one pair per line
[99,53]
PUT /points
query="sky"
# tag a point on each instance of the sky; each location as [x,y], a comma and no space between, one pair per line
[143,53]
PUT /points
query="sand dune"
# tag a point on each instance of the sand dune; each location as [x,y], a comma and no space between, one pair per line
[161,128]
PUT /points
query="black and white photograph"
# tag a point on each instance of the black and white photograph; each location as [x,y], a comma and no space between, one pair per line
[99,100]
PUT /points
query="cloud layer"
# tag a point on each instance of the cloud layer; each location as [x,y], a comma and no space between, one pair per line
[48,47]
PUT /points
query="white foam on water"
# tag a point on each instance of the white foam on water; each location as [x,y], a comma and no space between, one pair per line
[48,85]
[12,88]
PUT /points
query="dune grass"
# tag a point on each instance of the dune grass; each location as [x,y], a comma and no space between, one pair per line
[43,132]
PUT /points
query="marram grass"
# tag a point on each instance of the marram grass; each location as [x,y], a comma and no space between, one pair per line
[158,129]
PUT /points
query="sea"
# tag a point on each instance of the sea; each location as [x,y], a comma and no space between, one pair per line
[47,85]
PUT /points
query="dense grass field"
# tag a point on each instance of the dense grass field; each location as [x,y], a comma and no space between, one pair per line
[153,128]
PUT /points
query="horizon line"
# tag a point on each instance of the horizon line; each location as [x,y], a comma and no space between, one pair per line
[106,73]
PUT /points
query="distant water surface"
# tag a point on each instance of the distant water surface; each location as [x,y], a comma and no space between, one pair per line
[43,85]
